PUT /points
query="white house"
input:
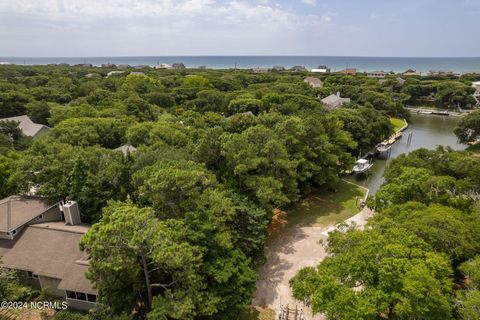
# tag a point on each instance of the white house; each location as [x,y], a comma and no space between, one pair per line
[321,69]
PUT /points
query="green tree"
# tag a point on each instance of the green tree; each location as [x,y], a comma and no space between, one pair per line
[38,111]
[468,129]
[373,274]
[469,298]
[133,255]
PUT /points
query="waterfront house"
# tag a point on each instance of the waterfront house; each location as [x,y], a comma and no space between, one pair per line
[278,68]
[178,66]
[124,66]
[411,72]
[39,241]
[28,127]
[349,71]
[335,101]
[298,69]
[108,65]
[84,65]
[440,73]
[313,82]
[321,69]
[163,66]
[261,70]
[377,74]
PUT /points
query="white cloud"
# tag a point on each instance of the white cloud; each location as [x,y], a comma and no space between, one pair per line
[156,27]
[310,2]
[328,17]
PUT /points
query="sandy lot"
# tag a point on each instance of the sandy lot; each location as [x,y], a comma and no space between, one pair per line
[297,248]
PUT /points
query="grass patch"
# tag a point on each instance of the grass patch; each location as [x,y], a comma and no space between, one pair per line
[397,123]
[327,208]
[257,313]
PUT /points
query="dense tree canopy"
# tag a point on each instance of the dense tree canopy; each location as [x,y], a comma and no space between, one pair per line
[410,257]
[179,225]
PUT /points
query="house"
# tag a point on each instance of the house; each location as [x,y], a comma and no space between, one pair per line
[298,69]
[124,66]
[126,149]
[163,66]
[113,73]
[178,66]
[261,70]
[39,241]
[313,82]
[321,69]
[411,72]
[278,68]
[137,73]
[335,101]
[108,65]
[377,74]
[440,73]
[28,127]
[84,65]
[349,71]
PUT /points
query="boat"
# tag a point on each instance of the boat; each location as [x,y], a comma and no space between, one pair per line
[383,149]
[362,166]
[441,113]
[425,112]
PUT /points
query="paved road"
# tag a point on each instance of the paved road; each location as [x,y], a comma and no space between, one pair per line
[299,247]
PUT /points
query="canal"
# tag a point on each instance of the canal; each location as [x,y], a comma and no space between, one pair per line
[428,131]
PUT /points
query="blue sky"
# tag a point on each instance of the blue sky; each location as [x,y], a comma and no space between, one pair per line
[239,27]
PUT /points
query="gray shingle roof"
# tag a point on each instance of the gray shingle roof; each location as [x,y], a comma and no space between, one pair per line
[28,127]
[22,210]
[50,250]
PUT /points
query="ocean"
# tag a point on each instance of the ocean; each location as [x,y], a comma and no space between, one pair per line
[423,65]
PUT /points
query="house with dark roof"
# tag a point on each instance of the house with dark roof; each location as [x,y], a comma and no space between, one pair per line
[39,241]
[411,72]
[178,66]
[28,127]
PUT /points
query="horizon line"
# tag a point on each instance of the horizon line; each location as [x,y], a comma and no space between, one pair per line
[248,55]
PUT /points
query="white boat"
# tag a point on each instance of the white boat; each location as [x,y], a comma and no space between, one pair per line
[362,166]
[383,149]
[425,112]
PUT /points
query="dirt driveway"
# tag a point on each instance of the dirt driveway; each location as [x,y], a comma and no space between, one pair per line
[297,248]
